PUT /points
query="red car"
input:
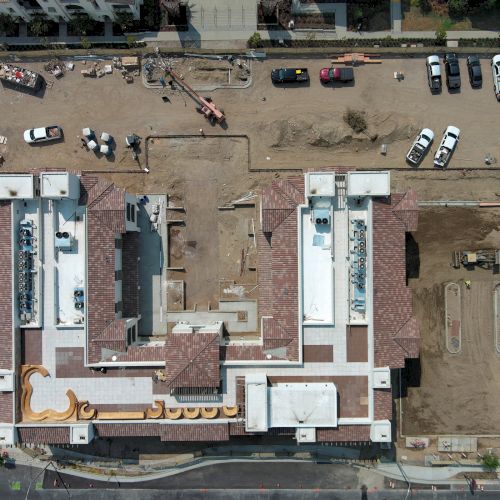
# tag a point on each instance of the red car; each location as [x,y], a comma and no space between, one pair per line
[327,75]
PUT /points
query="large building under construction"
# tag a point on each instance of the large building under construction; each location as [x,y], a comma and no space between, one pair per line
[98,340]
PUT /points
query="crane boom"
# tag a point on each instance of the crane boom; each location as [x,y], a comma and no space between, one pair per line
[209,109]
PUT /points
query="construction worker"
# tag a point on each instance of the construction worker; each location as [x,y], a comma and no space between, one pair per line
[467,284]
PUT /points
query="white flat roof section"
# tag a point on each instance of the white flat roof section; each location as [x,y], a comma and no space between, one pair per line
[317,270]
[320,184]
[69,261]
[16,187]
[368,183]
[303,405]
[256,403]
[380,431]
[59,185]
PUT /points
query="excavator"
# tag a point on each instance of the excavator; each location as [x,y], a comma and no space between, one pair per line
[205,105]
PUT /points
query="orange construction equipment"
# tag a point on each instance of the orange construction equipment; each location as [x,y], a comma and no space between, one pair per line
[355,58]
[207,107]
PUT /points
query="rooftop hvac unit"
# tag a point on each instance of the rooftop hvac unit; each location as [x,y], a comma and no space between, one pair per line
[321,216]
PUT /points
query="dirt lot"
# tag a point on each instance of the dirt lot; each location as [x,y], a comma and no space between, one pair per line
[293,126]
[457,392]
[299,127]
[210,244]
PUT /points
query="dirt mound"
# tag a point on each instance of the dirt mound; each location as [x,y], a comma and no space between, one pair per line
[332,131]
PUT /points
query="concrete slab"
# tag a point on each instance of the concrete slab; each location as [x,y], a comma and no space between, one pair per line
[152,268]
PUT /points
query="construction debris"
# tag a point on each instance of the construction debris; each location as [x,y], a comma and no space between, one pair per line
[355,58]
[56,68]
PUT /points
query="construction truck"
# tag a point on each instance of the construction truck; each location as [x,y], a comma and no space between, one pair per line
[486,259]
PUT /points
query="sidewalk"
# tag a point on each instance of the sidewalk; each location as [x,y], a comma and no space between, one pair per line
[207,37]
[170,467]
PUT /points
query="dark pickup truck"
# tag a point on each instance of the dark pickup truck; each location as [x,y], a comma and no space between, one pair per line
[327,75]
[289,75]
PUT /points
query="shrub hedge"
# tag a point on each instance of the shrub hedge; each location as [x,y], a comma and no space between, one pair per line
[95,45]
[381,42]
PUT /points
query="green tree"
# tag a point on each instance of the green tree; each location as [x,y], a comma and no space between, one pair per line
[131,41]
[39,25]
[151,15]
[125,20]
[7,25]
[255,41]
[458,8]
[86,44]
[490,462]
[82,24]
[4,457]
[441,36]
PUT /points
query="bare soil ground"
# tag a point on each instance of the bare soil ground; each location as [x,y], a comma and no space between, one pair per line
[295,126]
[457,392]
[197,71]
[213,243]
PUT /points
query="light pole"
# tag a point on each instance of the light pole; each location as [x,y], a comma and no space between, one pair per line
[40,473]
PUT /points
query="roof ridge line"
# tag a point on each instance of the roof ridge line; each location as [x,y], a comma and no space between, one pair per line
[102,195]
[205,347]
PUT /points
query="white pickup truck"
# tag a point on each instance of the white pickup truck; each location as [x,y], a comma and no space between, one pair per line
[43,134]
[448,144]
[495,70]
[420,146]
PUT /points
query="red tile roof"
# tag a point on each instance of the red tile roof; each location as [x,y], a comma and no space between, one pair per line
[279,201]
[195,432]
[192,360]
[130,274]
[127,429]
[383,404]
[105,219]
[396,331]
[354,433]
[136,353]
[44,435]
[407,210]
[6,285]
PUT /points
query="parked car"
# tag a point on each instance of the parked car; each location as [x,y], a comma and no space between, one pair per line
[327,75]
[448,144]
[289,75]
[452,70]
[474,69]
[495,70]
[434,73]
[43,134]
[420,146]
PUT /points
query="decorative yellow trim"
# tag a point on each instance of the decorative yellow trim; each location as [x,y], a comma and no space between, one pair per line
[85,412]
[191,412]
[156,412]
[120,415]
[230,411]
[210,412]
[27,391]
[173,413]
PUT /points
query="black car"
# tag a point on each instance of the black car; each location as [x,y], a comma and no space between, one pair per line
[289,75]
[452,70]
[474,69]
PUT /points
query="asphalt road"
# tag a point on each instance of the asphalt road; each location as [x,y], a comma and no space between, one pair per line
[225,481]
[238,475]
